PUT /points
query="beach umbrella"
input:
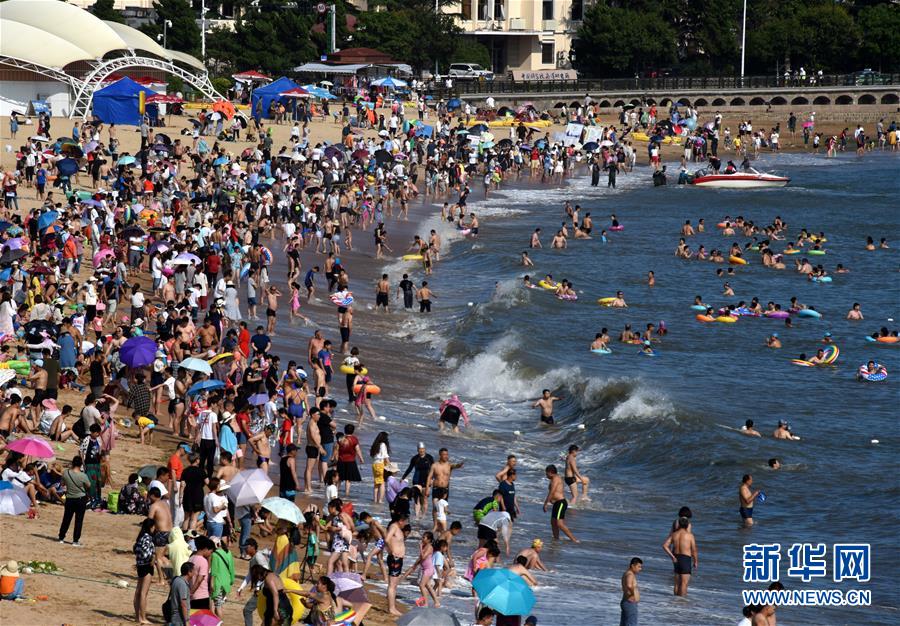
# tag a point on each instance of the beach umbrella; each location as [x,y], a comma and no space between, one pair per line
[251,75]
[4,226]
[286,510]
[91,146]
[360,154]
[13,501]
[39,138]
[196,365]
[224,107]
[161,148]
[205,385]
[477,129]
[428,617]
[222,160]
[249,487]
[383,133]
[296,92]
[504,591]
[126,160]
[389,82]
[46,219]
[258,399]
[241,118]
[159,246]
[32,446]
[204,617]
[187,256]
[8,375]
[383,156]
[333,151]
[195,122]
[462,131]
[12,255]
[138,352]
[103,255]
[224,356]
[454,103]
[72,150]
[590,146]
[505,143]
[132,231]
[148,472]
[91,202]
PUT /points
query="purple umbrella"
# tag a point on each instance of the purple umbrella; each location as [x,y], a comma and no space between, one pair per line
[138,352]
[187,256]
[159,246]
[258,399]
[14,243]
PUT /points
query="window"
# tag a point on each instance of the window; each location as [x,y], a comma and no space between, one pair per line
[548,10]
[482,10]
[547,53]
[577,10]
[467,9]
[499,10]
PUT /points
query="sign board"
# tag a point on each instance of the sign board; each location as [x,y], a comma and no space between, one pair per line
[544,75]
[573,134]
[594,133]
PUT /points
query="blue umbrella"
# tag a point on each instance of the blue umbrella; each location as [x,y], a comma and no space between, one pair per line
[47,219]
[591,146]
[454,103]
[206,385]
[127,160]
[4,226]
[138,352]
[503,591]
[283,509]
[389,82]
[222,160]
[67,167]
[477,129]
[258,399]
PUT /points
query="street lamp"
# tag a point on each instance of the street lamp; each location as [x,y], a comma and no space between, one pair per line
[203,11]
[163,37]
[743,41]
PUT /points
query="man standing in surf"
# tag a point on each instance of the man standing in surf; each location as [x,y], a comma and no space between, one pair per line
[747,497]
[556,497]
[545,403]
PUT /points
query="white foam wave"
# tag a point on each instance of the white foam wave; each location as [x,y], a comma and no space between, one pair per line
[643,404]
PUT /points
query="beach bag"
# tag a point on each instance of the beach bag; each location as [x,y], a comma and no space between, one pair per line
[112,501]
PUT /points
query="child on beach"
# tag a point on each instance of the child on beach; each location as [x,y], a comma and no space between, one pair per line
[440,510]
[427,575]
[295,303]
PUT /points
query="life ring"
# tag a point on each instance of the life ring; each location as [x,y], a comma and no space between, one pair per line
[265,255]
[877,376]
[413,257]
[372,390]
[545,285]
[606,301]
[888,339]
[569,296]
[821,279]
[802,363]
[736,260]
[795,251]
[816,253]
[809,313]
[349,369]
[723,225]
[342,298]
[705,318]
[726,319]
[831,354]
[19,367]
[601,350]
[617,228]
[778,315]
[699,307]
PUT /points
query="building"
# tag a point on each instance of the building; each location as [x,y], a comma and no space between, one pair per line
[522,35]
[135,12]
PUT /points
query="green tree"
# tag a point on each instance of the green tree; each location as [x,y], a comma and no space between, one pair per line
[617,41]
[106,10]
[880,37]
[184,33]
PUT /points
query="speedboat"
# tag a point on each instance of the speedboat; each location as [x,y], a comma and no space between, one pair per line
[748,179]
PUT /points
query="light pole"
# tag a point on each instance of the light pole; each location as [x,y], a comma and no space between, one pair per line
[743,41]
[165,34]
[436,9]
[203,11]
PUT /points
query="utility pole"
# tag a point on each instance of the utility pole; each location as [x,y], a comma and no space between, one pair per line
[436,9]
[743,42]
[203,11]
[332,23]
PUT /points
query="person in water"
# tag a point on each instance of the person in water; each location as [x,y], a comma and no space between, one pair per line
[749,430]
[773,341]
[545,403]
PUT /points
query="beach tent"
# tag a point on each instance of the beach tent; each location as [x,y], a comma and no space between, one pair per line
[262,97]
[118,103]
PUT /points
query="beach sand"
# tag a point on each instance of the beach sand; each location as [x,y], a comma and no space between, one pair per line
[85,590]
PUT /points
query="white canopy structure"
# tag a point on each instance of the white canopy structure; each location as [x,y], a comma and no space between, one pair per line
[63,43]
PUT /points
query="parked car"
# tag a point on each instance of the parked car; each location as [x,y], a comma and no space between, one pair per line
[469,71]
[869,77]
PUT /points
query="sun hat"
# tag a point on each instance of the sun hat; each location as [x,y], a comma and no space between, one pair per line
[10,568]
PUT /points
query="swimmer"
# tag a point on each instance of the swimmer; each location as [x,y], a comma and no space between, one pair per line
[774,464]
[855,313]
[701,226]
[651,279]
[619,301]
[573,477]
[646,348]
[526,282]
[559,241]
[870,243]
[783,431]
[600,341]
[536,239]
[818,359]
[687,230]
[840,269]
[772,341]
[827,340]
[747,429]
[580,234]
[545,403]
[883,244]
[526,260]
[727,290]
[698,301]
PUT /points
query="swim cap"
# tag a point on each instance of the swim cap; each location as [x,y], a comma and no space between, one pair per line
[537,543]
[775,334]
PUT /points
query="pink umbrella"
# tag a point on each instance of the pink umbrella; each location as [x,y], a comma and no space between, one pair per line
[808,124]
[103,255]
[32,446]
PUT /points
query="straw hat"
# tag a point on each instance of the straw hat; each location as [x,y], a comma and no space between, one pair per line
[392,468]
[10,568]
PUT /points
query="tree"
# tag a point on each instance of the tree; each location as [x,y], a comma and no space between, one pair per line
[616,41]
[880,34]
[184,33]
[106,10]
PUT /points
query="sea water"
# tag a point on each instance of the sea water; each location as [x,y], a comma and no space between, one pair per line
[657,434]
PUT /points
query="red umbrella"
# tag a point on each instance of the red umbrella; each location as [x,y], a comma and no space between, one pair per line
[251,75]
[296,92]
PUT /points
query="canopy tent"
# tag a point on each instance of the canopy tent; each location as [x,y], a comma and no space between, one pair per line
[262,97]
[352,68]
[118,103]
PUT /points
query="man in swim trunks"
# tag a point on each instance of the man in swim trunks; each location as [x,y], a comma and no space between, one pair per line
[545,403]
[556,498]
[439,475]
[684,555]
[749,430]
[395,546]
[747,497]
[424,296]
[574,477]
[382,291]
[160,512]
[533,556]
[260,444]
[272,294]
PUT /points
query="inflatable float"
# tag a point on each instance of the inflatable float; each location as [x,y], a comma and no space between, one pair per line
[736,260]
[877,376]
[889,339]
[412,257]
[372,390]
[809,313]
[349,369]
[606,301]
[543,284]
[601,350]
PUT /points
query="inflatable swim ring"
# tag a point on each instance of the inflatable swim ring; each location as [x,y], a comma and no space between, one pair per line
[722,225]
[816,253]
[778,315]
[219,357]
[736,260]
[616,228]
[464,231]
[245,271]
[606,301]
[641,352]
[545,285]
[726,319]
[348,369]
[412,257]
[831,354]
[19,367]
[809,313]
[570,297]
[821,279]
[342,298]
[601,351]
[704,318]
[265,255]
[802,363]
[698,307]
[372,390]
[888,339]
[877,376]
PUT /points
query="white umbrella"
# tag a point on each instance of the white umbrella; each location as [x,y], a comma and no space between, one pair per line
[249,487]
[283,509]
[6,376]
[14,501]
[197,365]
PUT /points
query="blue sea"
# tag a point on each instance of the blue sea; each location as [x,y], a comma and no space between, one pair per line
[660,433]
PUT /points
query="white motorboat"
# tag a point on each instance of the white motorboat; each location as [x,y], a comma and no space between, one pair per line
[749,179]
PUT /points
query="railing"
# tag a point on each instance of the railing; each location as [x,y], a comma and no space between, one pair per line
[667,83]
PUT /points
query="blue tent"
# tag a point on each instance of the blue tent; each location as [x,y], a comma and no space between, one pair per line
[118,103]
[262,97]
